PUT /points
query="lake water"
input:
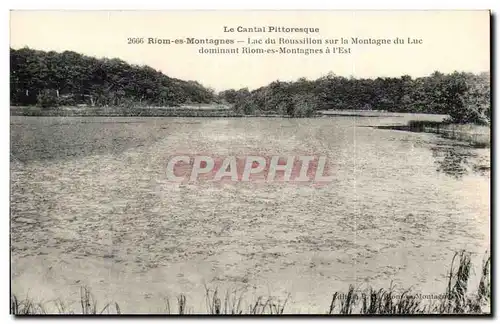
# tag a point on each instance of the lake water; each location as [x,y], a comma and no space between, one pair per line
[91,205]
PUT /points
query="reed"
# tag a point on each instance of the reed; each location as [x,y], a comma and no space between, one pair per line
[457,299]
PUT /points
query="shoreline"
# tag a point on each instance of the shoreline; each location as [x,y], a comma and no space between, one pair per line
[476,136]
[135,112]
[181,111]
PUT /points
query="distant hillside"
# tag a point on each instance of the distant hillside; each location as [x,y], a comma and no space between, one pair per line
[68,78]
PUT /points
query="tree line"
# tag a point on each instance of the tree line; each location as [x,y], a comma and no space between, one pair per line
[463,96]
[68,78]
[50,79]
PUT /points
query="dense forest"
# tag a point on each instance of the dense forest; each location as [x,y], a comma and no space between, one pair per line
[463,96]
[50,79]
[68,78]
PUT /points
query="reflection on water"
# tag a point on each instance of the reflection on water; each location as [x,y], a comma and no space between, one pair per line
[457,157]
[457,160]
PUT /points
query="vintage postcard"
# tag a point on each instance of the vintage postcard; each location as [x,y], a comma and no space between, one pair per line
[250,162]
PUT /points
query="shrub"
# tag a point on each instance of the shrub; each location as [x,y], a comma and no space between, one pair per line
[67,100]
[468,98]
[246,106]
[303,106]
[47,98]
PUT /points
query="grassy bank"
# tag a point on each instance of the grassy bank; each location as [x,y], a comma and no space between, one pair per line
[186,111]
[455,299]
[475,135]
[478,136]
[189,111]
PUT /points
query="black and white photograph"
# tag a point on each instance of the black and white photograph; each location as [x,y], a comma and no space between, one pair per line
[250,162]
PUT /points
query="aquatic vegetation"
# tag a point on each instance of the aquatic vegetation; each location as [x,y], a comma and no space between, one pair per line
[456,299]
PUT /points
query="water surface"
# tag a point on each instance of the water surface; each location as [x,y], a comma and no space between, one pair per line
[91,205]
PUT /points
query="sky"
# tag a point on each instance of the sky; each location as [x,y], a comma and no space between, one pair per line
[451,40]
